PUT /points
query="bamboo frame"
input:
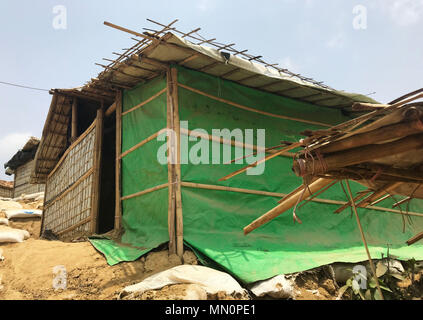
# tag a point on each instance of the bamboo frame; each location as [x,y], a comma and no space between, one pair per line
[97,171]
[118,163]
[145,102]
[140,144]
[171,168]
[240,106]
[138,194]
[178,197]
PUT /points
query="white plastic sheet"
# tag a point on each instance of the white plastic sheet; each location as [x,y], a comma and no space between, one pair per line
[210,280]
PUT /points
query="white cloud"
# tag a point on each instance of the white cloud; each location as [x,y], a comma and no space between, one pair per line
[337,41]
[403,12]
[205,5]
[10,144]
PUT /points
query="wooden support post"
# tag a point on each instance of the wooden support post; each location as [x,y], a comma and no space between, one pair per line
[171,168]
[118,180]
[176,125]
[74,129]
[95,205]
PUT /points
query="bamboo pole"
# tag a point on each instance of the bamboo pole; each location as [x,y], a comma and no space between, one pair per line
[354,156]
[237,105]
[274,155]
[74,129]
[176,124]
[140,144]
[378,193]
[363,238]
[287,204]
[118,172]
[171,168]
[375,136]
[95,205]
[361,195]
[141,193]
[145,102]
[414,239]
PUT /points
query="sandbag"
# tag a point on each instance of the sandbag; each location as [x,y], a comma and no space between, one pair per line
[279,287]
[23,213]
[9,205]
[12,235]
[212,281]
[4,221]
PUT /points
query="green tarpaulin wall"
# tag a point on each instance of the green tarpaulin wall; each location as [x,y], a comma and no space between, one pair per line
[213,220]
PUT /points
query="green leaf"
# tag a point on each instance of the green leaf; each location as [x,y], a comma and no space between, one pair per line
[385,288]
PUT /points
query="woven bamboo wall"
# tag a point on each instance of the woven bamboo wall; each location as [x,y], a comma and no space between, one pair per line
[6,192]
[67,210]
[22,185]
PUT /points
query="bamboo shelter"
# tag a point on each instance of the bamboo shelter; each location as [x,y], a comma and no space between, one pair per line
[21,165]
[153,129]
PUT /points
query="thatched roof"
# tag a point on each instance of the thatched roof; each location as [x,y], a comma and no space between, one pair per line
[24,155]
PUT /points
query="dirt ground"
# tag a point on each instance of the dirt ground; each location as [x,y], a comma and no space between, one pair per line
[27,273]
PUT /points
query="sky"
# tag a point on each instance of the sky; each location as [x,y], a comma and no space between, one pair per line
[369,46]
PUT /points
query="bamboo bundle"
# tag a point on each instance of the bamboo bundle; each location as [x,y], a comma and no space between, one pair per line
[349,157]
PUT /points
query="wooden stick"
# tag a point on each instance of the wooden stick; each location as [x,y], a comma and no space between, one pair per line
[348,204]
[277,153]
[74,130]
[95,205]
[140,144]
[287,204]
[80,223]
[363,238]
[110,110]
[378,193]
[141,193]
[176,123]
[414,239]
[145,102]
[363,106]
[171,168]
[231,189]
[237,105]
[118,163]
[401,202]
[234,143]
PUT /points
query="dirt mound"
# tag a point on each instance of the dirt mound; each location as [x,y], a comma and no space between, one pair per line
[27,270]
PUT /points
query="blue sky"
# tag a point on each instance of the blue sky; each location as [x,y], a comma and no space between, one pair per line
[313,37]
